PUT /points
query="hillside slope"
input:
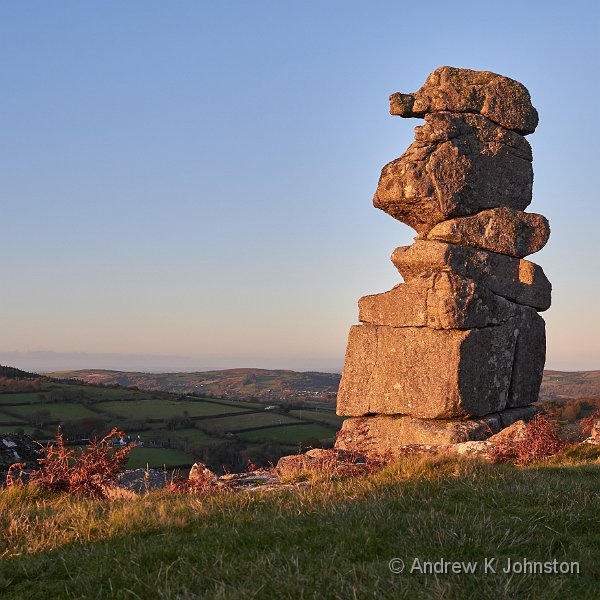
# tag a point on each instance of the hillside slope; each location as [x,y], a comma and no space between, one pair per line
[336,539]
[234,383]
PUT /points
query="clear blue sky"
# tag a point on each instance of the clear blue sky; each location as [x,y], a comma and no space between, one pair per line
[195,178]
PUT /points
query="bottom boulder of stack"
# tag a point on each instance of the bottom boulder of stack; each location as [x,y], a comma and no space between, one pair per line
[387,435]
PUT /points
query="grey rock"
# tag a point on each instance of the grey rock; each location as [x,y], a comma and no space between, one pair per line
[516,279]
[457,166]
[501,230]
[501,99]
[439,300]
[391,434]
[427,373]
[530,356]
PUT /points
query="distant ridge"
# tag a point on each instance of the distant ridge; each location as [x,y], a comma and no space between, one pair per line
[13,373]
[238,383]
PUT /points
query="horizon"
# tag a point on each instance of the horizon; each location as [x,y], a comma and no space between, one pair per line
[196,182]
[50,361]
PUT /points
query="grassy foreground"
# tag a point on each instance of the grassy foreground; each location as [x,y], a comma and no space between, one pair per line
[333,540]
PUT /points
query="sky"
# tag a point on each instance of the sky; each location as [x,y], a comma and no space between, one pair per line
[192,181]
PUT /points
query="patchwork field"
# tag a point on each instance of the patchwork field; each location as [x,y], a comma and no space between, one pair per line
[294,434]
[165,409]
[58,411]
[173,430]
[140,458]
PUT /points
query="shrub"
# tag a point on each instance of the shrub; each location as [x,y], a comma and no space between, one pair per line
[540,440]
[75,471]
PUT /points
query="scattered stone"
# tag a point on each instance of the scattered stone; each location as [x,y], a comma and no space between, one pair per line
[512,433]
[200,472]
[502,230]
[438,300]
[500,99]
[515,279]
[457,166]
[594,437]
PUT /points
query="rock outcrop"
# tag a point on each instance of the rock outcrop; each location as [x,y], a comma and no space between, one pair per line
[456,353]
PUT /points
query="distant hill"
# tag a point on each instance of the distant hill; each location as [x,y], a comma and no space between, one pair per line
[260,384]
[13,373]
[562,385]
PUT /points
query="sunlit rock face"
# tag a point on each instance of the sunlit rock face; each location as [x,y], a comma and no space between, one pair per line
[457,351]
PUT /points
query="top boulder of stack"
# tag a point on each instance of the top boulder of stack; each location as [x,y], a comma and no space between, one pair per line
[504,101]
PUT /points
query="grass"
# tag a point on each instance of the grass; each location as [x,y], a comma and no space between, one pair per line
[163,409]
[27,429]
[333,540]
[327,417]
[239,404]
[155,457]
[291,434]
[262,419]
[23,398]
[58,411]
[191,434]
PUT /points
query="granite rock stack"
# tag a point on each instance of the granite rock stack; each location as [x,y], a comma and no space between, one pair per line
[456,352]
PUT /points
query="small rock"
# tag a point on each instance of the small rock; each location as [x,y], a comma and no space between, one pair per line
[200,472]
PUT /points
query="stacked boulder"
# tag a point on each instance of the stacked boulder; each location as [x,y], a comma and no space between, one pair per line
[456,353]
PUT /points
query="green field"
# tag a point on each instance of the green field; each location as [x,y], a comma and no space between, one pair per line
[322,416]
[292,434]
[239,404]
[8,419]
[261,419]
[190,434]
[58,411]
[140,457]
[102,393]
[24,398]
[164,409]
[147,414]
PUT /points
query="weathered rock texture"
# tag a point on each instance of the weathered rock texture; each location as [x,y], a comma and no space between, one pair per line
[456,353]
[501,230]
[516,279]
[386,432]
[457,166]
[500,99]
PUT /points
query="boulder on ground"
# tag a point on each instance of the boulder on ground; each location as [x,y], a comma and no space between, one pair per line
[391,434]
[200,472]
[512,433]
[502,230]
[501,99]
[427,373]
[516,279]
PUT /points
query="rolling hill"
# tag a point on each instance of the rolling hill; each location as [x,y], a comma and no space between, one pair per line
[253,384]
